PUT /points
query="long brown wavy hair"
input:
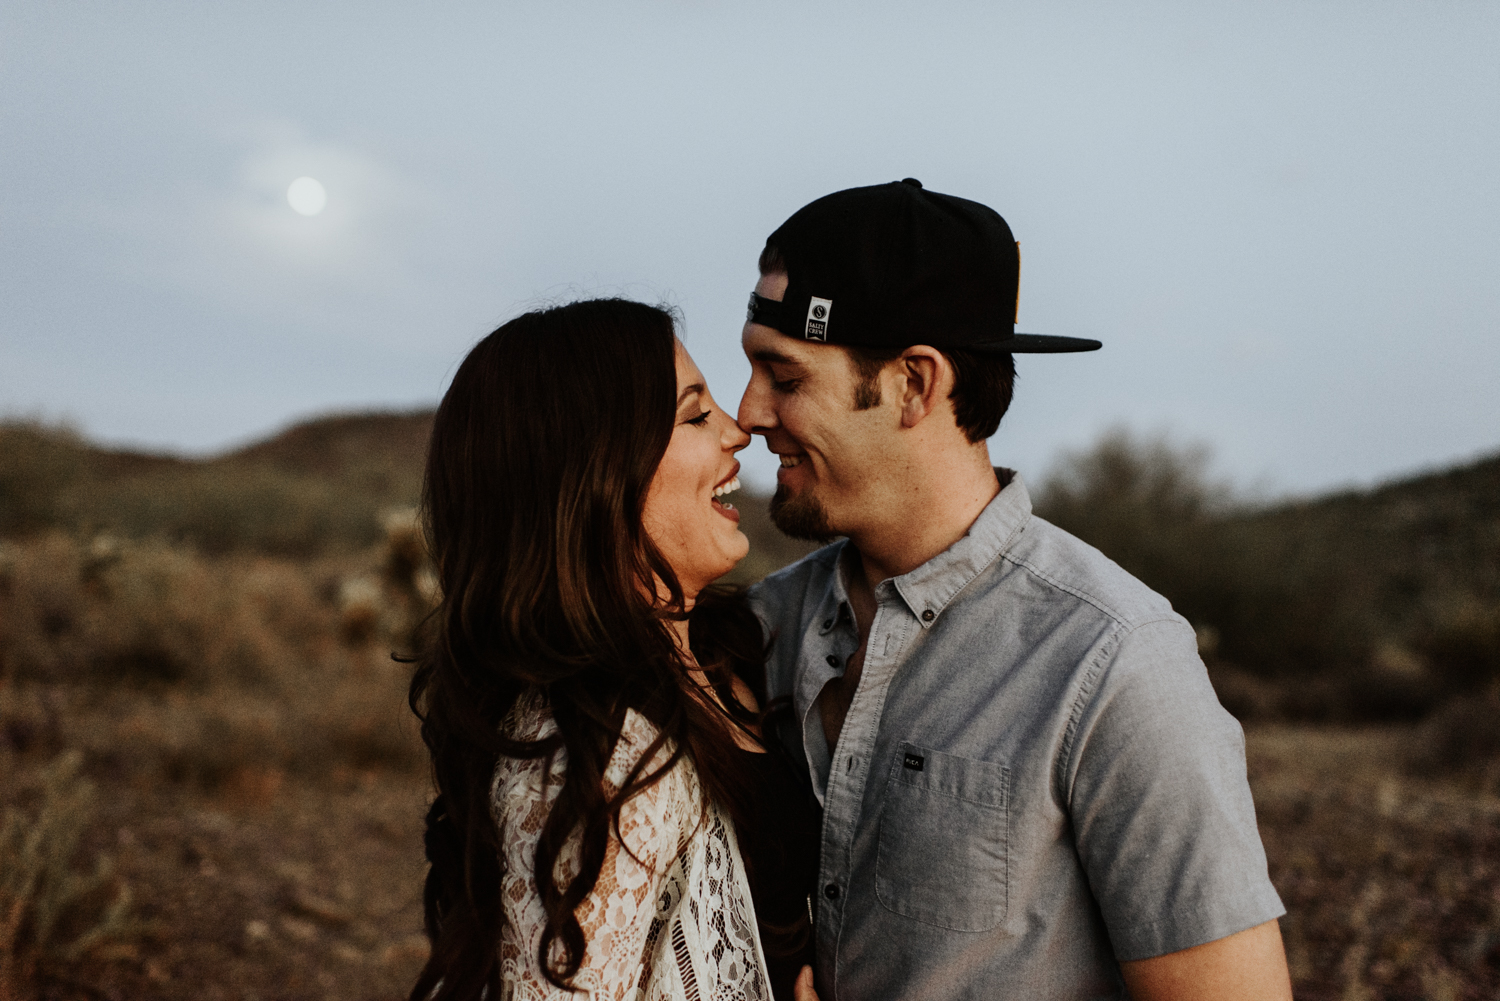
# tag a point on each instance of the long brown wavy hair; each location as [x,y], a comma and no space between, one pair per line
[542,452]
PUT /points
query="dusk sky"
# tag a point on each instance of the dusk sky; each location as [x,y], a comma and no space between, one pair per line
[1282,219]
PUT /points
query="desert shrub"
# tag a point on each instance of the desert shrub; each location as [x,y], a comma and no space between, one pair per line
[1462,645]
[48,906]
[38,466]
[112,611]
[1461,738]
[342,715]
[1132,493]
[198,668]
[220,509]
[1149,506]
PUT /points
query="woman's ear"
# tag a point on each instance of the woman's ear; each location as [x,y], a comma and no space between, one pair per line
[927,378]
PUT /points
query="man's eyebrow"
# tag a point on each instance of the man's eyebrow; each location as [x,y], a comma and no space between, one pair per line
[773,357]
[687,391]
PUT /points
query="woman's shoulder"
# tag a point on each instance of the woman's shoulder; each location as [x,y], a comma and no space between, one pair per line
[655,822]
[637,734]
[532,720]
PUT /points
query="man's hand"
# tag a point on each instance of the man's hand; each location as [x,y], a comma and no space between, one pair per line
[1247,966]
[804,987]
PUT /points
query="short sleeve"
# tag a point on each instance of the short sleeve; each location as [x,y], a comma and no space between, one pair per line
[1160,803]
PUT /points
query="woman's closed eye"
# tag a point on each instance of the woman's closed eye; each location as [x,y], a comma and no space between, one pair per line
[700,420]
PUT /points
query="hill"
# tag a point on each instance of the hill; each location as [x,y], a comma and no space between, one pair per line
[346,446]
[1365,603]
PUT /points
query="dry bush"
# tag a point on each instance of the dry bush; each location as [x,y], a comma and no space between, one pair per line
[1276,605]
[158,660]
[50,908]
[108,611]
[37,467]
[1462,645]
[1461,739]
[221,508]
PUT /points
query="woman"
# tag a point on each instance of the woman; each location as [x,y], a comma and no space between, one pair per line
[605,810]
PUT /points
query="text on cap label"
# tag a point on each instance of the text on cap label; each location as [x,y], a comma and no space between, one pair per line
[817,319]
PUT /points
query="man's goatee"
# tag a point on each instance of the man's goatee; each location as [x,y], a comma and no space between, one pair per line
[801,516]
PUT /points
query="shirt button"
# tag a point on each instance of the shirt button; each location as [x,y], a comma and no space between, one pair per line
[929,615]
[832,660]
[831,891]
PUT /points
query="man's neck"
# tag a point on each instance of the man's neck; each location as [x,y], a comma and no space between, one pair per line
[926,518]
[915,534]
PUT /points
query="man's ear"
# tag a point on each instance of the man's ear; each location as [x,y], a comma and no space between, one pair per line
[927,379]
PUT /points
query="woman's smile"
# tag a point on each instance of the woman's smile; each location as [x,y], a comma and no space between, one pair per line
[728,486]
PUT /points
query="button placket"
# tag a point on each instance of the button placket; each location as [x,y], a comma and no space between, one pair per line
[846,786]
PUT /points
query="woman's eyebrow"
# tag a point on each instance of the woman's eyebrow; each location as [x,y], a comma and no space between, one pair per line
[687,391]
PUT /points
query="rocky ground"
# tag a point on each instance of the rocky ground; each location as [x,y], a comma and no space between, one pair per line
[270,890]
[274,886]
[1391,882]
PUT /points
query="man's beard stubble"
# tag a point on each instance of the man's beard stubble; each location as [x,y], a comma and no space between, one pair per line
[801,517]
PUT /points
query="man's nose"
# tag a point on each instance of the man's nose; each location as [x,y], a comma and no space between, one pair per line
[755,414]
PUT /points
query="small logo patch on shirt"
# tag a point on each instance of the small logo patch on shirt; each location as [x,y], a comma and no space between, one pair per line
[914,762]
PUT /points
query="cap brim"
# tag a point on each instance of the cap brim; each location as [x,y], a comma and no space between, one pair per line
[1035,344]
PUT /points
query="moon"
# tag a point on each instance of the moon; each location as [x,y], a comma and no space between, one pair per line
[306,196]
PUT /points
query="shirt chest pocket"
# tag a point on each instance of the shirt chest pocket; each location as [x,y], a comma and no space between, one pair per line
[941,857]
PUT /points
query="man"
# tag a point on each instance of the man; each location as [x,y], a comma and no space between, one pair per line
[1029,787]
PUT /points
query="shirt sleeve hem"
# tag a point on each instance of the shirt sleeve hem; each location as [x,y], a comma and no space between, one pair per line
[1157,938]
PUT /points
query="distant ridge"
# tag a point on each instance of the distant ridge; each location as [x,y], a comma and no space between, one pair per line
[1466,491]
[1431,534]
[337,443]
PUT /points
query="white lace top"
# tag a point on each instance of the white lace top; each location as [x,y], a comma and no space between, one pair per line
[671,918]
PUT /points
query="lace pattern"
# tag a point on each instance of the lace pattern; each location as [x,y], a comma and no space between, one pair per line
[670,918]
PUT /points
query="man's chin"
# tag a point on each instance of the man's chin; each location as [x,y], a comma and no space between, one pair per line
[801,516]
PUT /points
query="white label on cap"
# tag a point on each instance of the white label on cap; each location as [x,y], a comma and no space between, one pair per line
[817,319]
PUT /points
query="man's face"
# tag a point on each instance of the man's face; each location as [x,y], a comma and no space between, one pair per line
[801,398]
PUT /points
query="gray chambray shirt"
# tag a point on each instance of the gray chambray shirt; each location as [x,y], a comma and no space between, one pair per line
[1035,779]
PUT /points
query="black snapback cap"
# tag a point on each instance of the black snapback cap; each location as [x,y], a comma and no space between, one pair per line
[892,265]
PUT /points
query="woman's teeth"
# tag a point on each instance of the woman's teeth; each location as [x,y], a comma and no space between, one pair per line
[788,461]
[727,488]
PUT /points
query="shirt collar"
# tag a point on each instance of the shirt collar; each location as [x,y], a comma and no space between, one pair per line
[929,588]
[835,606]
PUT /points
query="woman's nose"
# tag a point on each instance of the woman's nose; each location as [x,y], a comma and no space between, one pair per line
[735,437]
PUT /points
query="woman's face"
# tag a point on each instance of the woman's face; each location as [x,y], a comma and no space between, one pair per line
[695,530]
